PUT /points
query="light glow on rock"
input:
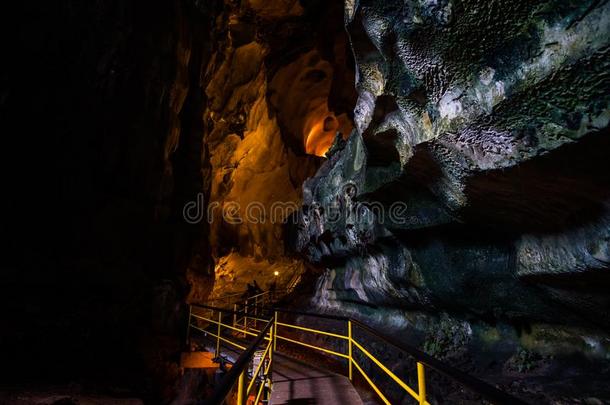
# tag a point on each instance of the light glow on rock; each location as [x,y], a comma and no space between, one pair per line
[320,130]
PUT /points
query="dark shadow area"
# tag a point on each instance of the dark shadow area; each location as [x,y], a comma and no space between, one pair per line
[302,401]
[565,188]
[91,267]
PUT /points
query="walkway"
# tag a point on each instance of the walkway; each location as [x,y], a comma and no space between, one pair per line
[295,383]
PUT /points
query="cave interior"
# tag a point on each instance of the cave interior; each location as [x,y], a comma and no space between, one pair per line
[437,169]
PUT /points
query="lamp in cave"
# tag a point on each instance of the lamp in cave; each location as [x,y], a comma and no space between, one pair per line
[276,273]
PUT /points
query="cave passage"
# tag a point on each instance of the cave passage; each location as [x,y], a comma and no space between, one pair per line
[425,182]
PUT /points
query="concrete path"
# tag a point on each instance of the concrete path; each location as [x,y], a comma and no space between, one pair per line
[296,383]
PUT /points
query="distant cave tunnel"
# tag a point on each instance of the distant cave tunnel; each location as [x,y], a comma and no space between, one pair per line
[277,103]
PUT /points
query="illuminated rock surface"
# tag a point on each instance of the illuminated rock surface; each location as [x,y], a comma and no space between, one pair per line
[268,113]
[489,121]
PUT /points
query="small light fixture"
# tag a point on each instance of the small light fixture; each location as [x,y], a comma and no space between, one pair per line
[276,273]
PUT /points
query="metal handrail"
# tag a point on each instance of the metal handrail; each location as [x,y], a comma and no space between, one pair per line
[227,298]
[423,360]
[481,387]
[272,326]
[227,311]
[237,373]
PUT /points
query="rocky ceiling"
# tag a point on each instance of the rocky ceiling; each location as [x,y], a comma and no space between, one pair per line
[469,207]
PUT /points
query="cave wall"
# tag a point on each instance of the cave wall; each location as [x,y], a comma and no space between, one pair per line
[271,111]
[103,105]
[123,114]
[488,120]
[467,212]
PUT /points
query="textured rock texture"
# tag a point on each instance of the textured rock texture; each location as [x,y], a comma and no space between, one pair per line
[488,122]
[118,115]
[269,85]
[489,119]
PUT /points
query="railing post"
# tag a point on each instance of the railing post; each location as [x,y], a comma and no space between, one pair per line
[266,392]
[188,325]
[272,337]
[275,330]
[256,307]
[267,380]
[240,389]
[218,337]
[349,346]
[234,315]
[245,318]
[421,383]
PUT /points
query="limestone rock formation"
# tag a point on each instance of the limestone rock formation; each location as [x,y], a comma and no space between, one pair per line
[270,111]
[475,185]
[445,161]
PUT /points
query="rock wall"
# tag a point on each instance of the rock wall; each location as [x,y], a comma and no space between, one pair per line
[103,103]
[270,111]
[123,114]
[468,209]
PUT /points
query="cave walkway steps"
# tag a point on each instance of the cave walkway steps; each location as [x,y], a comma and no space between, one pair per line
[272,378]
[295,382]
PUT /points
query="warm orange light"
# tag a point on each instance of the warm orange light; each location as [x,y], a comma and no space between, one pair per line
[276,273]
[321,127]
[318,141]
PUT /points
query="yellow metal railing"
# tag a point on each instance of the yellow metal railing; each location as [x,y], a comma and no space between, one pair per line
[261,375]
[262,299]
[419,395]
[247,329]
[246,323]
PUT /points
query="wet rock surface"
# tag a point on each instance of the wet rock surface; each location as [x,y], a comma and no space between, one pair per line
[467,211]
[472,195]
